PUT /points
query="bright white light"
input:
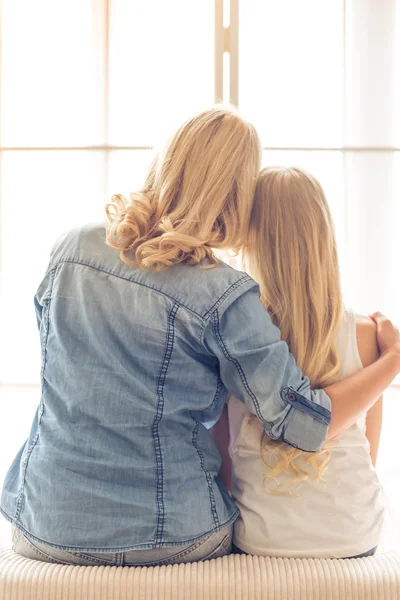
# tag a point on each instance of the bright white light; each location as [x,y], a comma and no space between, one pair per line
[291,71]
[161,66]
[52,88]
[43,194]
[226,78]
[226,13]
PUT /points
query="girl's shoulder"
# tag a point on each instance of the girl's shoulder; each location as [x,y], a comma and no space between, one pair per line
[367,343]
[356,343]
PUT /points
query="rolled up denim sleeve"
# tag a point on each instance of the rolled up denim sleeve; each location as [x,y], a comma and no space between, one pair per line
[257,367]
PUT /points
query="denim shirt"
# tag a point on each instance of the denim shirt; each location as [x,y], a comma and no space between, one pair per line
[136,367]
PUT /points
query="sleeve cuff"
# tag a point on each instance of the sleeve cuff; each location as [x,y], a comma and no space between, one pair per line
[306,423]
[303,431]
[319,407]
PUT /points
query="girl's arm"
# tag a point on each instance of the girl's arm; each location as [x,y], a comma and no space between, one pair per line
[374,425]
[368,350]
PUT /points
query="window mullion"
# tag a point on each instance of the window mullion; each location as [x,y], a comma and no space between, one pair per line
[234,53]
[218,50]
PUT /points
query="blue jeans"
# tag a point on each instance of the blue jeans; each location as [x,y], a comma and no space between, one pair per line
[237,550]
[213,546]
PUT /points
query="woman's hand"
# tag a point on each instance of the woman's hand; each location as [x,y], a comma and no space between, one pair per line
[387,334]
[357,394]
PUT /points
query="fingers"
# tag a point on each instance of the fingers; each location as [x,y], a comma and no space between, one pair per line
[379,318]
[382,321]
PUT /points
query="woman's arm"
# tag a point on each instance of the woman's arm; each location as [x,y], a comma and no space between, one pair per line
[355,395]
[257,368]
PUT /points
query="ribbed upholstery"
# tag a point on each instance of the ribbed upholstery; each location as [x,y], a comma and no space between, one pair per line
[235,577]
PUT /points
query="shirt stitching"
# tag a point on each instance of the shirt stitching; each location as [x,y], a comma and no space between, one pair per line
[233,287]
[33,443]
[220,341]
[145,546]
[203,317]
[46,300]
[206,472]
[217,395]
[169,344]
[317,411]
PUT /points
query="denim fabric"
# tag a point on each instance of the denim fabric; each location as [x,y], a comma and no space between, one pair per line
[214,545]
[136,367]
[372,552]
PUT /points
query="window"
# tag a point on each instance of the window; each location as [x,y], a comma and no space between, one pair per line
[89,87]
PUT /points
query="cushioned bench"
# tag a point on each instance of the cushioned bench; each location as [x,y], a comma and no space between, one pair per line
[230,578]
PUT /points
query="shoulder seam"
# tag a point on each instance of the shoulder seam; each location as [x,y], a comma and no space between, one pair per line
[175,300]
[233,287]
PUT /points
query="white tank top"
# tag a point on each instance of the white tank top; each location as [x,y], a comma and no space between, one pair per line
[340,518]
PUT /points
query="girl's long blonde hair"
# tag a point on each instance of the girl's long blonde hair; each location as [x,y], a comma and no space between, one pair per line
[197,196]
[292,254]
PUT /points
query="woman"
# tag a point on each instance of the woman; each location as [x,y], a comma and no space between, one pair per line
[142,337]
[292,503]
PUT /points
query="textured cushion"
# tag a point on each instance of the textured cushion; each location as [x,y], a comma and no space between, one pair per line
[230,578]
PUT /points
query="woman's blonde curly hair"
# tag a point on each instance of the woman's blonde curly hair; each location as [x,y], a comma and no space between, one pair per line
[197,196]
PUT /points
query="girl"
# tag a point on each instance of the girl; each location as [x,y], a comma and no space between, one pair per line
[292,503]
[143,333]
